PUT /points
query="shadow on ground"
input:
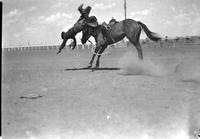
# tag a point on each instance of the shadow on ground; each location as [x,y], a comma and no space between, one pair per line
[86,68]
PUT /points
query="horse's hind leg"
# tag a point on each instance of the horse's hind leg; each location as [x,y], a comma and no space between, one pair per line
[139,50]
[93,56]
[134,38]
[99,55]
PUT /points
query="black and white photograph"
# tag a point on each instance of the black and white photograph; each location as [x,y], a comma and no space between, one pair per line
[100,69]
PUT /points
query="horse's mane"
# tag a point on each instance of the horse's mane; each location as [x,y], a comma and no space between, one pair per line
[95,30]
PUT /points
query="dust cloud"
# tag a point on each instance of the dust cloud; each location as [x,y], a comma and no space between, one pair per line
[186,70]
[189,70]
[131,65]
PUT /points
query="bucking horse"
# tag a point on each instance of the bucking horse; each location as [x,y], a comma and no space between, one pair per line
[103,36]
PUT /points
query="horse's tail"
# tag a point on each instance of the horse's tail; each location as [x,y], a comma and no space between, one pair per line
[153,36]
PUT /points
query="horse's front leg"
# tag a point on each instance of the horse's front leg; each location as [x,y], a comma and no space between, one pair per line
[62,46]
[99,55]
[93,56]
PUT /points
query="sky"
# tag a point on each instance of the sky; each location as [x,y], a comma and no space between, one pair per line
[40,22]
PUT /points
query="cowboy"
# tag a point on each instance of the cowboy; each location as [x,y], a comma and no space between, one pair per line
[84,12]
[92,20]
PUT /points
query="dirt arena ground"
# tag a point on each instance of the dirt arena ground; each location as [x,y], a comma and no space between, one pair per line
[155,99]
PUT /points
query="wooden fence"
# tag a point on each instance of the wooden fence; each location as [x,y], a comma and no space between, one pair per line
[144,43]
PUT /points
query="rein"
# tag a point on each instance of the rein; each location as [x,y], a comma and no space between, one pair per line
[94,51]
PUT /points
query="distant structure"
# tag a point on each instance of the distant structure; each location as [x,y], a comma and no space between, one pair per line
[124,9]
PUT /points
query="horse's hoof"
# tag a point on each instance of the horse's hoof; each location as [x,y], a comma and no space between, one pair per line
[90,66]
[96,67]
[73,47]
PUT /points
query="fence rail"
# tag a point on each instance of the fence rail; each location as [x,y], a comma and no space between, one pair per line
[161,44]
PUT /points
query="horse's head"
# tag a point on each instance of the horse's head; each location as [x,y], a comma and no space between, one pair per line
[71,33]
[80,24]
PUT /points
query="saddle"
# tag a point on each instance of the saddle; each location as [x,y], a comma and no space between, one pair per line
[107,28]
[110,24]
[113,21]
